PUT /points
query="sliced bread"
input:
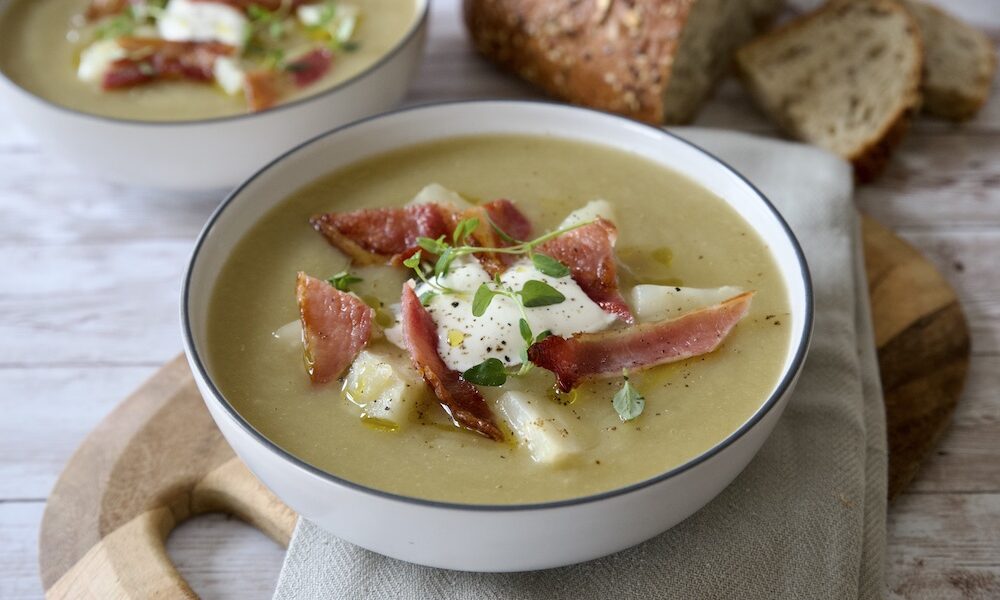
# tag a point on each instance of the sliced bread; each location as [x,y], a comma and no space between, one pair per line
[959,65]
[652,60]
[845,77]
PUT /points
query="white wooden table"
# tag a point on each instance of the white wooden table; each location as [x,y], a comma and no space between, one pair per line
[90,277]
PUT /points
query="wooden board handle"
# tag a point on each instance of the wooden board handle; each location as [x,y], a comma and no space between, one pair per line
[155,462]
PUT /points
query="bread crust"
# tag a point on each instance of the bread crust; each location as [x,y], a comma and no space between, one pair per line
[611,55]
[870,158]
[605,55]
[950,102]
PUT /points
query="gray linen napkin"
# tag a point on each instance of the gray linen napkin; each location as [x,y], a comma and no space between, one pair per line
[806,519]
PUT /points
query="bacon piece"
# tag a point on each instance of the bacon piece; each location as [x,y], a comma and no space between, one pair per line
[389,235]
[151,59]
[506,216]
[589,252]
[310,67]
[591,355]
[382,235]
[263,89]
[509,219]
[459,398]
[125,73]
[98,9]
[335,326]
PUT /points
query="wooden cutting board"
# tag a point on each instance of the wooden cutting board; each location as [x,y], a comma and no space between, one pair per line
[158,459]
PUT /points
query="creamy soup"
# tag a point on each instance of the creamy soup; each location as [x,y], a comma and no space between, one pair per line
[236,60]
[672,233]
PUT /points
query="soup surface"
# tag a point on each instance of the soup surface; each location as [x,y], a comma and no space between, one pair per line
[42,42]
[671,232]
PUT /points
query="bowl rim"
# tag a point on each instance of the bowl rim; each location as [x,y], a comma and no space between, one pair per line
[789,375]
[419,21]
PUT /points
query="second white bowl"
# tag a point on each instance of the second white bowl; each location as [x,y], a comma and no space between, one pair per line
[213,153]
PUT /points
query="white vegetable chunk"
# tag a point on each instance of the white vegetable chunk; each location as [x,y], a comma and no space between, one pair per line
[539,425]
[658,302]
[339,19]
[228,75]
[289,334]
[96,59]
[189,21]
[311,15]
[435,193]
[589,212]
[384,385]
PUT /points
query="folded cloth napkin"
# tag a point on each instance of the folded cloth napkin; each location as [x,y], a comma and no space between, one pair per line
[806,519]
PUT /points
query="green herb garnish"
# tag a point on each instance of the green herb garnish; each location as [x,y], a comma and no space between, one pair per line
[344,280]
[491,372]
[481,301]
[464,229]
[537,293]
[415,262]
[533,294]
[628,402]
[118,26]
[549,266]
[440,245]
[426,297]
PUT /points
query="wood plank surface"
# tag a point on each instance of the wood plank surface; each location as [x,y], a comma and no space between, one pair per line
[89,280]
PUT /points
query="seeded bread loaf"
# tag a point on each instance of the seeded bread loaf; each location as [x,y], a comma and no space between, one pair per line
[959,66]
[845,77]
[652,60]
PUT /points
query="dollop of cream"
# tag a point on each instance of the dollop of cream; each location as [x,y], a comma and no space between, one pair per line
[465,340]
[187,21]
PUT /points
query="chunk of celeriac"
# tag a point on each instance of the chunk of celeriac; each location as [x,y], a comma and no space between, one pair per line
[191,21]
[438,194]
[385,385]
[96,59]
[229,75]
[339,18]
[289,334]
[539,426]
[589,212]
[658,302]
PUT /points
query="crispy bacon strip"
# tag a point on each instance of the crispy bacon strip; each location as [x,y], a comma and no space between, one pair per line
[589,252]
[505,215]
[389,235]
[265,87]
[382,235]
[310,67]
[592,355]
[98,9]
[152,59]
[335,326]
[459,398]
[262,88]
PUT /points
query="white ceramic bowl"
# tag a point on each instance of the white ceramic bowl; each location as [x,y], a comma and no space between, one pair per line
[212,153]
[508,538]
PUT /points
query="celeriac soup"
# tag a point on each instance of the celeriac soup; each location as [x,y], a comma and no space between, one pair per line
[499,320]
[174,60]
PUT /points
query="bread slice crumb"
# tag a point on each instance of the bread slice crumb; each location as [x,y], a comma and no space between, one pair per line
[845,77]
[960,63]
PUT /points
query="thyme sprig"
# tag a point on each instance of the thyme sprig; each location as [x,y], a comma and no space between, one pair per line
[628,402]
[533,293]
[448,252]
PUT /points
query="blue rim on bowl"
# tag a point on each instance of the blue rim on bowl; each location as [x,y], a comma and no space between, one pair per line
[786,381]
